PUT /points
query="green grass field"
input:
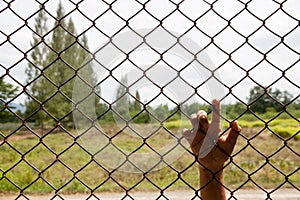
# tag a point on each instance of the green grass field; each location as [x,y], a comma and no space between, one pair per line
[59,163]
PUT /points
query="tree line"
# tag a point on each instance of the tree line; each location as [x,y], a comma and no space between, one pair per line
[54,64]
[260,101]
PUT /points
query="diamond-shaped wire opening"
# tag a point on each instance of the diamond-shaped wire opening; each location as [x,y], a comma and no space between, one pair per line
[92,8]
[242,88]
[198,37]
[126,9]
[240,174]
[175,19]
[228,12]
[258,74]
[58,175]
[68,7]
[290,9]
[282,57]
[23,149]
[11,157]
[9,26]
[17,38]
[269,175]
[39,185]
[215,53]
[241,21]
[79,154]
[211,24]
[14,55]
[270,40]
[193,8]
[142,18]
[66,108]
[57,141]
[16,174]
[285,161]
[229,45]
[104,23]
[109,185]
[257,8]
[155,177]
[291,74]
[46,157]
[286,24]
[161,12]
[246,57]
[92,175]
[231,73]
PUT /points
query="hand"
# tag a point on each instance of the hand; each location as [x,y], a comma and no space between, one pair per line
[216,158]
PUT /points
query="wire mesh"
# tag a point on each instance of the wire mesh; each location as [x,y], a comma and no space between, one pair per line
[33,157]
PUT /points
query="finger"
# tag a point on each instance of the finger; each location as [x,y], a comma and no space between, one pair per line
[216,110]
[194,121]
[233,133]
[188,135]
[203,121]
[199,130]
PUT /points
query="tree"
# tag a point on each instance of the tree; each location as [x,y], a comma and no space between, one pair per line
[234,110]
[43,74]
[7,91]
[191,108]
[70,54]
[139,114]
[136,103]
[87,93]
[53,90]
[161,112]
[262,99]
[122,106]
[36,88]
[58,71]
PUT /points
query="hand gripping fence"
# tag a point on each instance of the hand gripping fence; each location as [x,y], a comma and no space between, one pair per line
[107,137]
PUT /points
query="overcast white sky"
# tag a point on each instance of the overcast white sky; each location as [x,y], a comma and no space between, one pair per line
[287,53]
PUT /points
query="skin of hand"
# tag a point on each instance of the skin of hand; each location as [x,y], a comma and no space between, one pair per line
[211,166]
[216,158]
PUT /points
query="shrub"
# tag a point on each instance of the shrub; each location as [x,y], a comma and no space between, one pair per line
[286,132]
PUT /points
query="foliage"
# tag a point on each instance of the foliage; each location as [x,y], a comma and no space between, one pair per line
[51,73]
[194,107]
[287,132]
[7,91]
[137,102]
[36,83]
[123,104]
[260,99]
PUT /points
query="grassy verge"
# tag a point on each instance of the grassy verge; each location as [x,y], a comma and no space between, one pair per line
[60,163]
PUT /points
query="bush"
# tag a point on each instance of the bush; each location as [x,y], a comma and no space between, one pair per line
[287,132]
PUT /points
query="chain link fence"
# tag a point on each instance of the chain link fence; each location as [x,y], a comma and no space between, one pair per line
[88,113]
